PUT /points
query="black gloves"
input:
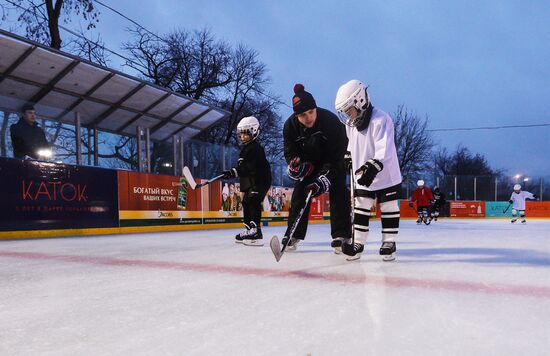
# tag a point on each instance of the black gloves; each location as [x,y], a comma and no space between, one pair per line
[347,161]
[368,172]
[320,185]
[232,173]
[510,201]
[298,171]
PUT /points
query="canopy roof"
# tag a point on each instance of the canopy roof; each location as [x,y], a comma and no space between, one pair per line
[61,84]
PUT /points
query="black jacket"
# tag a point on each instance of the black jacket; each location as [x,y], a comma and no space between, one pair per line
[253,168]
[439,199]
[323,145]
[27,139]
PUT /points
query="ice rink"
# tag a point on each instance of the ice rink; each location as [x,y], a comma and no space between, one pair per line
[458,287]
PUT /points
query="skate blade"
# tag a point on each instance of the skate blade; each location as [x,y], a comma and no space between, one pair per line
[353,258]
[388,258]
[238,242]
[253,243]
[275,248]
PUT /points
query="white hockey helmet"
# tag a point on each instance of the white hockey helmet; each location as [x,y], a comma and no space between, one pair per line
[420,183]
[353,94]
[517,187]
[249,125]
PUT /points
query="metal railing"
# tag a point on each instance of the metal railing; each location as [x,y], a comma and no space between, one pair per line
[488,188]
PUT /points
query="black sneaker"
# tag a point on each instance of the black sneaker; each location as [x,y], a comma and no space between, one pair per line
[387,250]
[352,250]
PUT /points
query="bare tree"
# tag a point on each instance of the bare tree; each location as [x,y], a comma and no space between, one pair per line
[190,63]
[41,18]
[462,162]
[413,142]
[92,50]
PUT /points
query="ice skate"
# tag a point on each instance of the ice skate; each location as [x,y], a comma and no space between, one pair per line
[241,235]
[514,220]
[524,221]
[353,251]
[292,244]
[387,251]
[336,244]
[254,237]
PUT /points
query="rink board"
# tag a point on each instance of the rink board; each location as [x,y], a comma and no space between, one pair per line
[44,199]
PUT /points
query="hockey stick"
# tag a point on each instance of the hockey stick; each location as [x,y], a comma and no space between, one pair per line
[200,185]
[189,177]
[352,196]
[508,207]
[275,244]
[193,184]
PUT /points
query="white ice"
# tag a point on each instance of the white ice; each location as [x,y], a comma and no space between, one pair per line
[458,287]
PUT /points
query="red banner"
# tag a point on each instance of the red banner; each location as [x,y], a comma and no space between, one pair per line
[475,209]
[537,209]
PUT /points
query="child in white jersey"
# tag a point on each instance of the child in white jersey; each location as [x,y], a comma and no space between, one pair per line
[377,175]
[518,198]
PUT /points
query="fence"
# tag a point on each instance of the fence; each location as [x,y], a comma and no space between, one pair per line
[477,188]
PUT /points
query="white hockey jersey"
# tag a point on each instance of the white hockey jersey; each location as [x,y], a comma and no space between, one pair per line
[377,141]
[519,199]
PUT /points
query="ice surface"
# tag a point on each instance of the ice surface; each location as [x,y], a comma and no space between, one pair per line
[458,287]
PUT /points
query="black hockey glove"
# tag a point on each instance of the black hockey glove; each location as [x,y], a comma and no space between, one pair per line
[347,161]
[232,173]
[299,171]
[536,197]
[510,201]
[411,204]
[368,172]
[320,185]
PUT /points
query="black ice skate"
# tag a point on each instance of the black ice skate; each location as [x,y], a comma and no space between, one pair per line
[241,235]
[387,251]
[514,220]
[419,221]
[292,244]
[336,244]
[254,237]
[523,221]
[353,251]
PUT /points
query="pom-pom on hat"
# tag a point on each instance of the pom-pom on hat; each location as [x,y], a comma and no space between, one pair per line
[302,101]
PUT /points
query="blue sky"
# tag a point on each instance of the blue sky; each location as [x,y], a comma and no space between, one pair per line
[461,63]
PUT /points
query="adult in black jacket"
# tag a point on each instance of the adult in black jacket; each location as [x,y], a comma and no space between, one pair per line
[254,173]
[315,142]
[27,138]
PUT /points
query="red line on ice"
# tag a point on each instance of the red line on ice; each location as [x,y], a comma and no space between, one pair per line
[398,282]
